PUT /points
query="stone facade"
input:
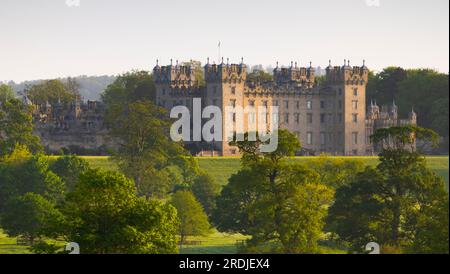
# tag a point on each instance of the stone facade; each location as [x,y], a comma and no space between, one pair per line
[74,126]
[327,118]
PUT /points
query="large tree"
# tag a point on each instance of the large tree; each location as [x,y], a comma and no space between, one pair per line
[266,199]
[388,204]
[21,173]
[16,124]
[141,129]
[31,216]
[69,168]
[6,93]
[193,220]
[206,191]
[53,92]
[104,215]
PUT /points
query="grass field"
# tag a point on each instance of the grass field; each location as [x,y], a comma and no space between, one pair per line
[221,168]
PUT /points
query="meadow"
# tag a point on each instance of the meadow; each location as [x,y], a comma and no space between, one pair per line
[221,168]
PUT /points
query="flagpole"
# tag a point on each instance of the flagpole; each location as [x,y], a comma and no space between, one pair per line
[218,60]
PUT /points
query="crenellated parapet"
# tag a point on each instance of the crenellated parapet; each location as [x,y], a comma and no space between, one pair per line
[294,74]
[177,76]
[225,73]
[347,74]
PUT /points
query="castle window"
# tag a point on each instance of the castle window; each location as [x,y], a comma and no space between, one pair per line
[322,138]
[275,118]
[264,117]
[322,118]
[355,92]
[355,104]
[355,138]
[286,104]
[322,104]
[233,90]
[340,104]
[251,117]
[297,103]
[297,118]
[309,104]
[164,91]
[286,118]
[355,118]
[309,138]
[310,118]
[233,103]
[251,103]
[340,91]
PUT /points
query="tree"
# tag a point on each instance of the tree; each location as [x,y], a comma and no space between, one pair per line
[432,228]
[30,216]
[130,87]
[259,76]
[384,86]
[265,199]
[6,93]
[193,220]
[16,125]
[206,191]
[53,92]
[21,173]
[69,168]
[384,204]
[424,89]
[105,216]
[335,172]
[141,129]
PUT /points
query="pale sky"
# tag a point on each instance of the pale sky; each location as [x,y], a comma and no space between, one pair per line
[42,39]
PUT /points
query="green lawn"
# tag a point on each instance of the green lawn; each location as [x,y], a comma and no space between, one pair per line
[215,243]
[9,245]
[221,168]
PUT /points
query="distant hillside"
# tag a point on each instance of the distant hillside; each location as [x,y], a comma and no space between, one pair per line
[90,86]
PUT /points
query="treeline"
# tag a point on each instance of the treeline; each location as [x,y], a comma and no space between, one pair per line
[425,90]
[89,87]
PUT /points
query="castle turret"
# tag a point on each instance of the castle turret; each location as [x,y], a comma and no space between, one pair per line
[413,117]
[178,76]
[394,111]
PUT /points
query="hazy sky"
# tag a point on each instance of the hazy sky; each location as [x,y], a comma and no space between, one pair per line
[48,39]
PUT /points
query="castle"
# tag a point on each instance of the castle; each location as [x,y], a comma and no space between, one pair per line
[330,117]
[76,126]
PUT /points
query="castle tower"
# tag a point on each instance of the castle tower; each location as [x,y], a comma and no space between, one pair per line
[349,84]
[175,85]
[225,87]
